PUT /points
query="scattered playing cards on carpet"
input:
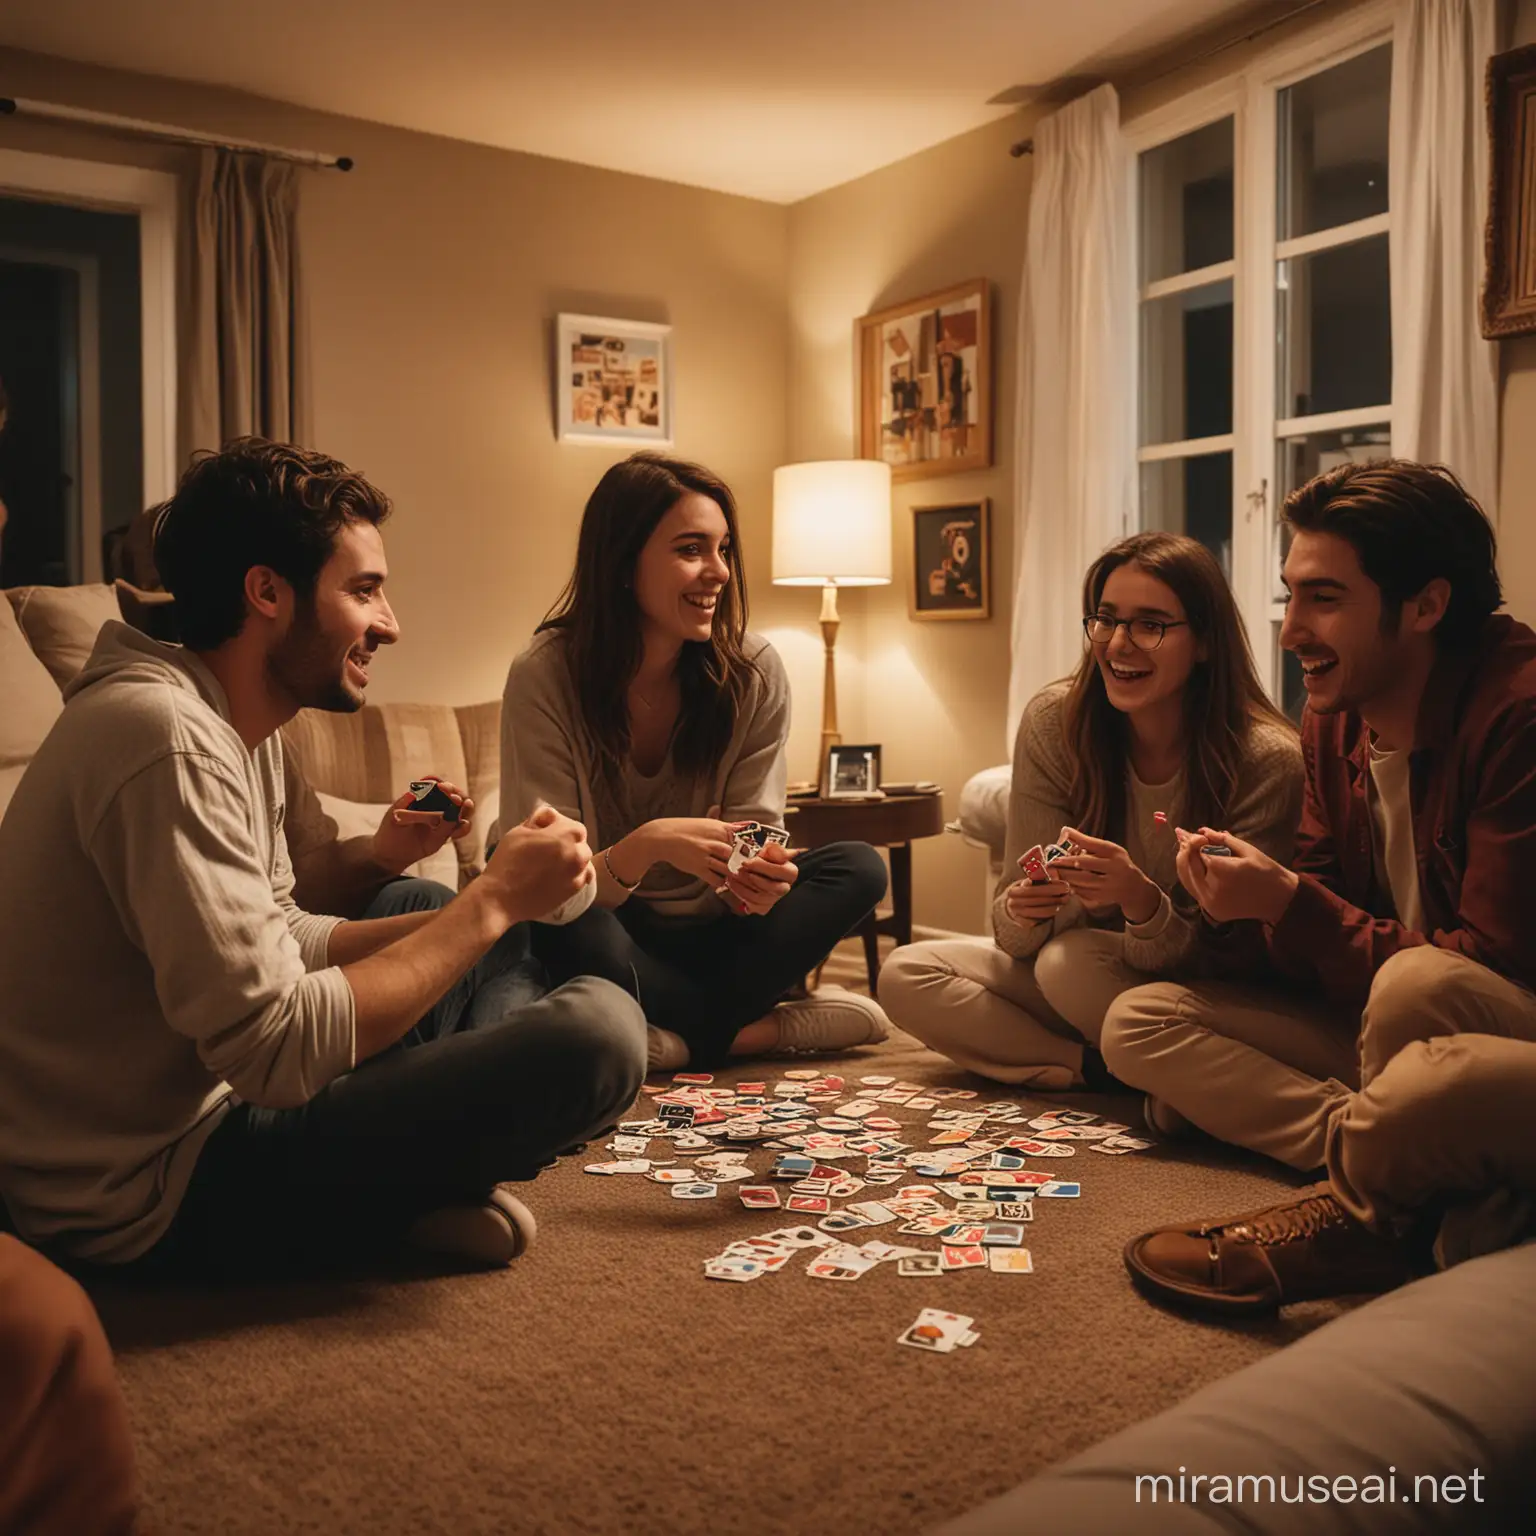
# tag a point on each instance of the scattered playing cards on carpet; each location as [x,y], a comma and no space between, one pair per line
[838,1157]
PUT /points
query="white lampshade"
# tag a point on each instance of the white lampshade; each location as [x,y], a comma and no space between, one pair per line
[832,523]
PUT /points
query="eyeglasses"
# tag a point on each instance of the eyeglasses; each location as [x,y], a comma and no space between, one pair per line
[1145,634]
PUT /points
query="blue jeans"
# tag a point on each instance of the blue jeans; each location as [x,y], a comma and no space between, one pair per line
[499,1077]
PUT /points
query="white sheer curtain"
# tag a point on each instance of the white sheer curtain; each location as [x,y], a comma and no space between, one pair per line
[1077,358]
[1444,375]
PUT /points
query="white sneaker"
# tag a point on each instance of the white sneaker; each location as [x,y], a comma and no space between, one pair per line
[664,1051]
[487,1236]
[830,1019]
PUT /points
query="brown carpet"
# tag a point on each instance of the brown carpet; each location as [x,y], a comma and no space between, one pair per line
[601,1384]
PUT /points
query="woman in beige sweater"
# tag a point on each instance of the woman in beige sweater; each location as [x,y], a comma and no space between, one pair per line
[1164,724]
[644,709]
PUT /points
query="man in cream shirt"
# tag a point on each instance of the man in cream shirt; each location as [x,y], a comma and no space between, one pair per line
[194,1072]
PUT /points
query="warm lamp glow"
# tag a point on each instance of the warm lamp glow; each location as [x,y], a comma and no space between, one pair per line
[831,529]
[832,524]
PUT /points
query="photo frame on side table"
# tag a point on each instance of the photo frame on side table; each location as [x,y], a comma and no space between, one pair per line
[851,773]
[1509,275]
[613,381]
[951,561]
[925,383]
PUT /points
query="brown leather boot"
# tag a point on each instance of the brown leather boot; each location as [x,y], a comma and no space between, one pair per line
[1303,1249]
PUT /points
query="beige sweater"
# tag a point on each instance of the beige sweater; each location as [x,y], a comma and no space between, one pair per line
[152,961]
[1264,811]
[546,754]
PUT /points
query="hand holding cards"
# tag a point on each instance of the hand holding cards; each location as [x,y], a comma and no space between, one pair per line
[758,872]
[429,802]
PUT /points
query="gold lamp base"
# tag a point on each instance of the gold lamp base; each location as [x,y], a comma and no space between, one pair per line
[830,737]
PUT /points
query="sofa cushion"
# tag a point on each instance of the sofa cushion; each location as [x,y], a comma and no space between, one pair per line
[29,701]
[355,820]
[61,623]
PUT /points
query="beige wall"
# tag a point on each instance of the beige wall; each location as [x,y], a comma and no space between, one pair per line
[433,271]
[933,695]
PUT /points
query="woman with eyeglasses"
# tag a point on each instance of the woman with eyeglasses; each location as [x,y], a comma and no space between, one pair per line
[1164,725]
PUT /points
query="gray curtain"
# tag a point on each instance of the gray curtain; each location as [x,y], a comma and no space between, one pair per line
[245,356]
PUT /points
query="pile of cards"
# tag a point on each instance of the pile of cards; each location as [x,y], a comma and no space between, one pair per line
[749,839]
[939,1332]
[978,1193]
[1036,863]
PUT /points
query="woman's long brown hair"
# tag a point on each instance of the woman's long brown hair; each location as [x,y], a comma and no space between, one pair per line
[1223,698]
[599,616]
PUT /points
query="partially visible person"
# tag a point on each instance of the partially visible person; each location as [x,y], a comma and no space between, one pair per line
[1164,718]
[1433,1163]
[645,709]
[195,1074]
[1405,914]
[66,1456]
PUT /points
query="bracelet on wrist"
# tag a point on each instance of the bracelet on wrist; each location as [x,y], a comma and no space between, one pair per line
[616,877]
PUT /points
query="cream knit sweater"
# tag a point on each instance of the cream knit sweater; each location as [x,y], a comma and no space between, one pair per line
[1264,811]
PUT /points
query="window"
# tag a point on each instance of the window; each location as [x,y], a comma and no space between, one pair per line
[1187,271]
[1264,296]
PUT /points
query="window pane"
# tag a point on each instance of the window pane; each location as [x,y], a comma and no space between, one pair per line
[1186,202]
[1333,145]
[1334,314]
[1192,496]
[1186,364]
[1301,458]
[1293,692]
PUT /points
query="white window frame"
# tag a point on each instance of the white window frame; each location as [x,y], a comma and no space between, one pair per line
[153,196]
[1250,96]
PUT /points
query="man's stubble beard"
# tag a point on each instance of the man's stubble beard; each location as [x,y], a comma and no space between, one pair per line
[303,666]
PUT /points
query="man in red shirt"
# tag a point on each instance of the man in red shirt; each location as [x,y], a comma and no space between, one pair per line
[1402,937]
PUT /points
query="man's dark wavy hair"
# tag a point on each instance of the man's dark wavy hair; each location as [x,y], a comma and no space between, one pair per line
[253,503]
[1408,523]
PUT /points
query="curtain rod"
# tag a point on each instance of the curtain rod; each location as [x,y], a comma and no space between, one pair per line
[1027,146]
[145,130]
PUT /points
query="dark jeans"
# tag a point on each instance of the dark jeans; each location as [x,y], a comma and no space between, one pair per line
[497,1079]
[707,981]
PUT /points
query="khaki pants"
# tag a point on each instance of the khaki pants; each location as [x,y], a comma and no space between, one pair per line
[1273,1072]
[66,1461]
[1445,1118]
[1015,1021]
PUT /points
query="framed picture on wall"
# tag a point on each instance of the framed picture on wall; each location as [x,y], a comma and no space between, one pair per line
[1509,278]
[613,380]
[925,383]
[952,561]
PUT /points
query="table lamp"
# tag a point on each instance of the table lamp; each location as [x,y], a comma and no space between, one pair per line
[831,529]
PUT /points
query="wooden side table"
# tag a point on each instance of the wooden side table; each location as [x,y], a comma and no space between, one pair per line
[891,823]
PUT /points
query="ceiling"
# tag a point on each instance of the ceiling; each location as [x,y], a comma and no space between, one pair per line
[776,100]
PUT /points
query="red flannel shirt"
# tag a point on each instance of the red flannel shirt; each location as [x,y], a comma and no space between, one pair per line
[1472,790]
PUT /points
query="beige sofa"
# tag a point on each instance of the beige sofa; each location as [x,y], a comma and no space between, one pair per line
[357,763]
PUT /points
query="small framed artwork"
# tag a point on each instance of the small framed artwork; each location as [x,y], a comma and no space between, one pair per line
[952,561]
[613,380]
[1509,277]
[925,383]
[852,773]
